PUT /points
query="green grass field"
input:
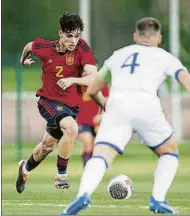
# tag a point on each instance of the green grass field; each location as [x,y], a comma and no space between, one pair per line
[31,79]
[41,198]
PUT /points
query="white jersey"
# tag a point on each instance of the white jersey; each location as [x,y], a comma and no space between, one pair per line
[141,68]
[135,73]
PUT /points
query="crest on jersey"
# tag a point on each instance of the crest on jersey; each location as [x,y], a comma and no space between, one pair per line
[69,59]
[59,108]
[50,61]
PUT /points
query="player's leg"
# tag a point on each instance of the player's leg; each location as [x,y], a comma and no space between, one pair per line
[157,134]
[103,156]
[165,171]
[107,145]
[40,152]
[86,137]
[66,144]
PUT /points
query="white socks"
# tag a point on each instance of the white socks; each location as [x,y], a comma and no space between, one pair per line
[164,174]
[92,175]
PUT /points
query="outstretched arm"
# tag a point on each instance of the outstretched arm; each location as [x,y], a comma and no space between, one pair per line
[25,54]
[184,78]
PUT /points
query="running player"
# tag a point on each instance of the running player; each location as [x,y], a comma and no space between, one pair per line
[63,62]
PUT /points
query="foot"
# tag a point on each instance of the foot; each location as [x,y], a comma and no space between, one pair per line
[61,182]
[78,204]
[161,207]
[21,180]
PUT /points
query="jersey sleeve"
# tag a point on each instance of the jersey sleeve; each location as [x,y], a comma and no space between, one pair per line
[40,46]
[174,66]
[105,73]
[86,54]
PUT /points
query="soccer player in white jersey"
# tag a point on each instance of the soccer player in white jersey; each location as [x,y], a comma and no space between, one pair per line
[136,73]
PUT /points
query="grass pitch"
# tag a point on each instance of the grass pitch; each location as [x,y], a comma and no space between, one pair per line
[41,198]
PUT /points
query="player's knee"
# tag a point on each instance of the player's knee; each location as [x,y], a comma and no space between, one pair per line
[106,152]
[71,131]
[171,150]
[169,147]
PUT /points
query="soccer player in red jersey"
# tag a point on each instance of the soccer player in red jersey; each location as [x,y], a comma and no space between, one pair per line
[87,126]
[63,62]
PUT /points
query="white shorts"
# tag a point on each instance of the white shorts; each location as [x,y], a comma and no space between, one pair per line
[119,122]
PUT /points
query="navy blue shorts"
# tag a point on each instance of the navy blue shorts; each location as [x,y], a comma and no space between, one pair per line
[87,128]
[53,111]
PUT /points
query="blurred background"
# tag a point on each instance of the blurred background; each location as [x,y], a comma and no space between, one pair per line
[109,25]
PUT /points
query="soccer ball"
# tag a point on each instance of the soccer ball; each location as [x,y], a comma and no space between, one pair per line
[120,187]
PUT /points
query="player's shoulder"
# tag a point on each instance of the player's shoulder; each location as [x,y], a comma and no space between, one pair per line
[125,48]
[43,43]
[120,51]
[83,45]
[165,54]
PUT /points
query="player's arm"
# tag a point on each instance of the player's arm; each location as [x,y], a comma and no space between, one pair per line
[25,54]
[103,77]
[184,78]
[90,71]
[178,71]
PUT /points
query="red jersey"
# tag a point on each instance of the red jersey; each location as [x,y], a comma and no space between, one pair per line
[56,66]
[88,108]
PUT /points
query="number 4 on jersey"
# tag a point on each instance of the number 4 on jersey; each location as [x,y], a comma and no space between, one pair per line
[133,63]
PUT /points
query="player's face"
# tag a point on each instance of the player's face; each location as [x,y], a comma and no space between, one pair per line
[70,39]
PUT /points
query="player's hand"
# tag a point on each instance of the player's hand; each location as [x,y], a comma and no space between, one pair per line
[64,83]
[28,62]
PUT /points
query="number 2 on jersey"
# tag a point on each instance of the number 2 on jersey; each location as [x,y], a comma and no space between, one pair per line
[133,63]
[59,71]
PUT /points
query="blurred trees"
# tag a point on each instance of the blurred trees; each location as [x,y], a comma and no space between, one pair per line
[112,23]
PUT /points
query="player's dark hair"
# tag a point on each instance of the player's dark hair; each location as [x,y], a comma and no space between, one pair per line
[148,26]
[70,21]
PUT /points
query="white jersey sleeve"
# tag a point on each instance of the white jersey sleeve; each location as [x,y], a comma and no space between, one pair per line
[109,62]
[174,67]
[105,71]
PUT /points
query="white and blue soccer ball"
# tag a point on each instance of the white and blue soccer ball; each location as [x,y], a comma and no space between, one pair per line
[120,187]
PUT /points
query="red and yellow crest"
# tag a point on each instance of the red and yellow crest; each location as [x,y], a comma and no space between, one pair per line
[69,59]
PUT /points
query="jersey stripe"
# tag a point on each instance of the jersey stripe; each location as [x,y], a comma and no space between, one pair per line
[39,45]
[85,47]
[47,107]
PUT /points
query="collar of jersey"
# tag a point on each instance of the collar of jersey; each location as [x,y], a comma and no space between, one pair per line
[144,45]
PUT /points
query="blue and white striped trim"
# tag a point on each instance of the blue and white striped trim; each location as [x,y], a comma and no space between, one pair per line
[162,142]
[172,154]
[177,74]
[102,159]
[111,145]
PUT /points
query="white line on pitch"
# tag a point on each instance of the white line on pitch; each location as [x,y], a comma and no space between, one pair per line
[93,206]
[63,205]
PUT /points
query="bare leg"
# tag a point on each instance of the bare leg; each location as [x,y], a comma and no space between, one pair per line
[66,144]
